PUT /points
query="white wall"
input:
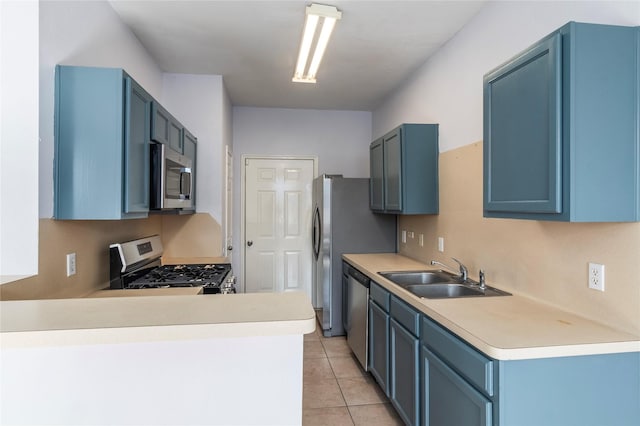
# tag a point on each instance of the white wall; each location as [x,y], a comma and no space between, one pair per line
[199,103]
[87,33]
[447,89]
[18,140]
[339,139]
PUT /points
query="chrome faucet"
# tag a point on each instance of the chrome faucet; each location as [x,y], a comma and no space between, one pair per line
[464,272]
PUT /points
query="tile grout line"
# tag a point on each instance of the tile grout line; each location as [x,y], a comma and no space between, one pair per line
[346,404]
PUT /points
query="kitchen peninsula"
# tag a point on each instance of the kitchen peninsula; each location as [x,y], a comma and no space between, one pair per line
[191,359]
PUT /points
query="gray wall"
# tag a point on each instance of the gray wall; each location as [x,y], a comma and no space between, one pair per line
[339,139]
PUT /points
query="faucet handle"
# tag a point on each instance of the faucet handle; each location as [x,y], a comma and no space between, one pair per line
[482,282]
[464,273]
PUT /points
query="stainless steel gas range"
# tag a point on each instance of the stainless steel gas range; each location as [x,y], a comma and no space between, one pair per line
[136,265]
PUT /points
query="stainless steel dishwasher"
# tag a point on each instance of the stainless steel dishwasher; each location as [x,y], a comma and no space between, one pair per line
[357,323]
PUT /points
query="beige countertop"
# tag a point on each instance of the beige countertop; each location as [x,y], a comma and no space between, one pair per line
[505,328]
[103,320]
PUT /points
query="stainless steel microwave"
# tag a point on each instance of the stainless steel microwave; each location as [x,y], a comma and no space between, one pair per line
[171,179]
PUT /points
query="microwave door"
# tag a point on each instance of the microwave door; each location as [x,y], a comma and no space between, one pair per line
[171,179]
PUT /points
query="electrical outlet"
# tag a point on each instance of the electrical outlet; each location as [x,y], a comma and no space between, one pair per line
[441,244]
[404,236]
[411,234]
[421,240]
[71,264]
[596,276]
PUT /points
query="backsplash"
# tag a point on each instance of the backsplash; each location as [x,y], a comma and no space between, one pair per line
[544,260]
[198,235]
[90,241]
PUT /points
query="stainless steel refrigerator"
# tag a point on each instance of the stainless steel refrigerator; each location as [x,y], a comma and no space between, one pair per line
[343,223]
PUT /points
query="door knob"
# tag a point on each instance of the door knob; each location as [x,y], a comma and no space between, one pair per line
[249,243]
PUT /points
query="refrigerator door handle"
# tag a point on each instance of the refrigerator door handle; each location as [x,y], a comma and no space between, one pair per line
[317,233]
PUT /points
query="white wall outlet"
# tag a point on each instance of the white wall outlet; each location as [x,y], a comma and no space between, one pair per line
[441,244]
[411,235]
[596,276]
[404,236]
[71,264]
[421,240]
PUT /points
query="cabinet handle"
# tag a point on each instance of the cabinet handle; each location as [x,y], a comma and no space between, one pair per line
[249,243]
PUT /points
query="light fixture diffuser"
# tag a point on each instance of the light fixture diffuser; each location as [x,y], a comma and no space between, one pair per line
[315,13]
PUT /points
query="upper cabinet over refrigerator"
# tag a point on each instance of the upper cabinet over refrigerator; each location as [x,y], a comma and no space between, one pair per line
[561,128]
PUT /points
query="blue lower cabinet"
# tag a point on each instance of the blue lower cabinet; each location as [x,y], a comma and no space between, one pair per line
[448,399]
[379,345]
[592,390]
[404,383]
[462,386]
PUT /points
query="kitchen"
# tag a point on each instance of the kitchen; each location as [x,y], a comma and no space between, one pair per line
[514,252]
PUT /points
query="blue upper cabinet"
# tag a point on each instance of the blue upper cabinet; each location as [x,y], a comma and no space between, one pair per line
[404,170]
[101,160]
[376,187]
[165,128]
[190,151]
[561,128]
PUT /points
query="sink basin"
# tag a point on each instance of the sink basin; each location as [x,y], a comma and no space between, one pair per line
[419,277]
[439,284]
[443,291]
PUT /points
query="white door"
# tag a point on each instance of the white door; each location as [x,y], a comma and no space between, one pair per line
[277,212]
[228,221]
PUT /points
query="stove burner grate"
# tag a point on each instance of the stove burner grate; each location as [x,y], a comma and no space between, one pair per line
[183,276]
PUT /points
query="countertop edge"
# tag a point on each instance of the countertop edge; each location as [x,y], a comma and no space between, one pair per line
[145,334]
[153,318]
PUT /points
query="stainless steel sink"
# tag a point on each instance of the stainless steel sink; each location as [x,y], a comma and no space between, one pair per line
[439,284]
[406,278]
[443,291]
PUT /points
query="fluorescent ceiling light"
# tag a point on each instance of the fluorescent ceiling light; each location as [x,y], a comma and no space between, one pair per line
[314,14]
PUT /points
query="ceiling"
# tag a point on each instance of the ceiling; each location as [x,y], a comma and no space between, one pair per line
[253,45]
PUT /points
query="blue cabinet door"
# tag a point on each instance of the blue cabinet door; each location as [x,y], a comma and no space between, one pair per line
[136,148]
[165,128]
[561,125]
[522,141]
[190,151]
[376,184]
[447,399]
[403,374]
[379,345]
[392,146]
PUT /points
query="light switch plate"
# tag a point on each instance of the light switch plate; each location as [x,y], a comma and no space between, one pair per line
[441,244]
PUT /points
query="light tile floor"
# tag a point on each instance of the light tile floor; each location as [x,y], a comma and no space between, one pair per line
[337,391]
